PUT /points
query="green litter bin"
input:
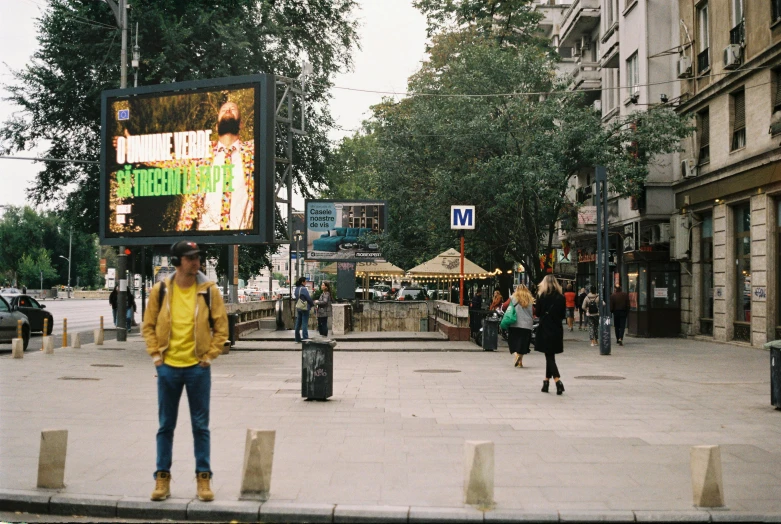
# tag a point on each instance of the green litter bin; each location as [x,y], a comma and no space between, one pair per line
[775,372]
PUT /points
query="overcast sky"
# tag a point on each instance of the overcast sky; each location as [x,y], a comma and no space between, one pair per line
[392,34]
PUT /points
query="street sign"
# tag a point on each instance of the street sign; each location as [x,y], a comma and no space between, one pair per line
[462,217]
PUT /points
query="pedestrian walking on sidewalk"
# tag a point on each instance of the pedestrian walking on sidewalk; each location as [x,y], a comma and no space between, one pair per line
[569,299]
[591,307]
[519,335]
[185,327]
[550,308]
[303,303]
[112,300]
[324,309]
[579,303]
[619,305]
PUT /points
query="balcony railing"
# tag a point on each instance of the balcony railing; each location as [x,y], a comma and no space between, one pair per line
[703,61]
[737,35]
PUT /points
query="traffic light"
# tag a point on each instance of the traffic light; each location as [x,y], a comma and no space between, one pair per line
[128,251]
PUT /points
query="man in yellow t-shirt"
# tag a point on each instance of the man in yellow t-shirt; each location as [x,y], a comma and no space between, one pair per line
[185,328]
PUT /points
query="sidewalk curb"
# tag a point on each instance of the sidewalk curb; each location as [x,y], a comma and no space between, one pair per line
[54,503]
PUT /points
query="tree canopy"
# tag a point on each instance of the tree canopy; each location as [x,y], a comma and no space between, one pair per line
[489,121]
[34,242]
[78,57]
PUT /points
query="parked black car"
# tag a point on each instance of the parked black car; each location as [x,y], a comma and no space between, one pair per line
[9,316]
[33,310]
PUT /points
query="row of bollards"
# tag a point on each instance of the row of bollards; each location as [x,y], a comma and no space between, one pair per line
[47,342]
[707,483]
[256,469]
[705,464]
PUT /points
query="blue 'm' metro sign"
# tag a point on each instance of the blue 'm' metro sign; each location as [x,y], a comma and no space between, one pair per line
[462,217]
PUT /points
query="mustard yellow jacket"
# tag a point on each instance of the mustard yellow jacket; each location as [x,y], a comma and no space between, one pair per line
[156,327]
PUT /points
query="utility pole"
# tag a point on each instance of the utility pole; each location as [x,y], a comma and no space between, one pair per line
[603,262]
[120,14]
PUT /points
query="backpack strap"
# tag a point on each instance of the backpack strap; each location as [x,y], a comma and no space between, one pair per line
[161,294]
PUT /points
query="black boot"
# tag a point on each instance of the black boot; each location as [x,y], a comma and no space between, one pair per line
[559,387]
[545,385]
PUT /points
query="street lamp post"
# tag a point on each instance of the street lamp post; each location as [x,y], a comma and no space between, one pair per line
[298,236]
[69,275]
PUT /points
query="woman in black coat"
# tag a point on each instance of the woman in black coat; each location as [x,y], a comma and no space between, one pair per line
[550,308]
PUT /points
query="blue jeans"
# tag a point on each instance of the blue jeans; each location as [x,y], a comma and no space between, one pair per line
[302,322]
[170,382]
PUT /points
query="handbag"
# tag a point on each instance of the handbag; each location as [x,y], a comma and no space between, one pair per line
[510,317]
[301,303]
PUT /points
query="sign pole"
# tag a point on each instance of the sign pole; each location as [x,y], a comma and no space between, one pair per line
[603,263]
[461,280]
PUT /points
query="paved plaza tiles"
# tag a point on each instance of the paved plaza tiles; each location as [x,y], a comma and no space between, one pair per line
[391,440]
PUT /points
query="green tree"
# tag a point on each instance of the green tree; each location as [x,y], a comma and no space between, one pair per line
[23,231]
[34,267]
[59,91]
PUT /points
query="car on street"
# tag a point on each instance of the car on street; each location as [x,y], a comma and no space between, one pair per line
[411,293]
[10,291]
[9,317]
[33,310]
[383,289]
[373,294]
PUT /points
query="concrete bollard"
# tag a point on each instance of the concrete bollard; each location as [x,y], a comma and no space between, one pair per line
[64,332]
[75,340]
[17,344]
[51,461]
[48,345]
[258,460]
[479,472]
[17,348]
[707,483]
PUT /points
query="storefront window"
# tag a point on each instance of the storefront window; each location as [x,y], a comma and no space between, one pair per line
[743,263]
[706,258]
[637,287]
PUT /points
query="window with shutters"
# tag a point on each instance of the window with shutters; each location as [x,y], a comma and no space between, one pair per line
[703,38]
[776,11]
[703,132]
[738,102]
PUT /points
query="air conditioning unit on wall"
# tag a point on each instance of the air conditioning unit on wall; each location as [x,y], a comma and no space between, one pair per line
[732,56]
[684,67]
[688,168]
[681,229]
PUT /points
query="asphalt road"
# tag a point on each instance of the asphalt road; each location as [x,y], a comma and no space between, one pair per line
[82,314]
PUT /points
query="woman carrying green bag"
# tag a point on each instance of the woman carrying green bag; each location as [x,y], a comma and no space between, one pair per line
[518,321]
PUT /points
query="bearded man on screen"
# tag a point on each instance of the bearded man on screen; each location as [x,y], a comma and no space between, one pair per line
[229,209]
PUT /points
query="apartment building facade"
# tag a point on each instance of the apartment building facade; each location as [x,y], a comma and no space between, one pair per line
[621,53]
[728,190]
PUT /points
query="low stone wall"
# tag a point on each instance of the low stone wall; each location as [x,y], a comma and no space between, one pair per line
[93,295]
[391,316]
[452,320]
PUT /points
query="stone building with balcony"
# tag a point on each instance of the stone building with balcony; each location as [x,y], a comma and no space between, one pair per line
[623,57]
[727,234]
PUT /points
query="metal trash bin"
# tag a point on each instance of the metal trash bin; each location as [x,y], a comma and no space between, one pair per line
[775,372]
[491,332]
[317,369]
[233,319]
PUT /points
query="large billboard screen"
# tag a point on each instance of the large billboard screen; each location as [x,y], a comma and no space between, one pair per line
[190,159]
[344,230]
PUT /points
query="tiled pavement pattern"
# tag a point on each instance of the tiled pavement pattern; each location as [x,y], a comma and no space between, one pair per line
[393,435]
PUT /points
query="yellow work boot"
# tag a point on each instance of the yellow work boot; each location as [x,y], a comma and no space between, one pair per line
[205,492]
[162,486]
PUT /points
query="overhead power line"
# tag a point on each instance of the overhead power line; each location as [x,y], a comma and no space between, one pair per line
[529,93]
[44,159]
